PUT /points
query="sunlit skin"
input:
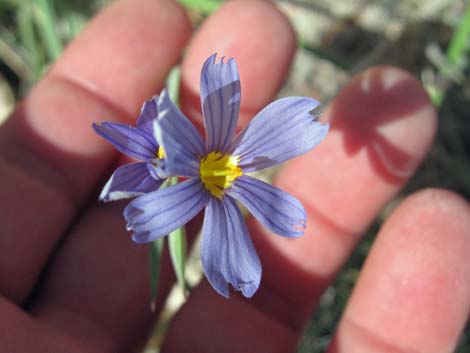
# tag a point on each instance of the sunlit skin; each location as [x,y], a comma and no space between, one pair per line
[93,295]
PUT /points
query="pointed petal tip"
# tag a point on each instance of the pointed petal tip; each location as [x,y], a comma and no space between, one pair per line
[219,285]
[323,129]
[130,212]
[310,103]
[313,102]
[103,128]
[248,289]
[152,100]
[224,293]
[295,234]
[163,93]
[212,60]
[98,127]
[103,198]
[141,238]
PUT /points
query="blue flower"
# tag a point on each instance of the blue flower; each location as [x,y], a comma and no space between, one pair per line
[138,142]
[216,177]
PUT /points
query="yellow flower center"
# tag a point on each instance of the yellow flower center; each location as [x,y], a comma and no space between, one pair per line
[161,153]
[218,172]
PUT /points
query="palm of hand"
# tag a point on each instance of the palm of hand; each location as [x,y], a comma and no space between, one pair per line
[71,279]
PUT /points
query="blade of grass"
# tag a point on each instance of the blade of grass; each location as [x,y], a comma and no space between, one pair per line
[14,55]
[46,21]
[457,56]
[28,39]
[460,42]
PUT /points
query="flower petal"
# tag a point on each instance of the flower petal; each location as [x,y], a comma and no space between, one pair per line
[220,100]
[129,180]
[128,140]
[180,140]
[281,131]
[227,252]
[148,114]
[158,213]
[277,210]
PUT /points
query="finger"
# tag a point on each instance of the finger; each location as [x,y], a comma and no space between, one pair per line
[111,285]
[382,125]
[99,282]
[414,292]
[50,156]
[210,323]
[19,332]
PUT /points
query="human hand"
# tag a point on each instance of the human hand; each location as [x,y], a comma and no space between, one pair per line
[72,280]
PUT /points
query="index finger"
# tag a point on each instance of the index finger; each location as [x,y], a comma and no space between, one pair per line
[50,157]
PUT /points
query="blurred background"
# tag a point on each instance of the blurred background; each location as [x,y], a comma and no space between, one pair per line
[336,39]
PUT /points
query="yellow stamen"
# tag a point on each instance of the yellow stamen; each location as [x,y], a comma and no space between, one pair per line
[161,153]
[218,172]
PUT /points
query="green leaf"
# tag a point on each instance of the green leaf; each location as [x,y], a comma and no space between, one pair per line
[459,45]
[156,249]
[458,53]
[177,248]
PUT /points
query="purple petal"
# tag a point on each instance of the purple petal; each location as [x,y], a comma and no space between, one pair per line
[277,210]
[148,114]
[220,100]
[128,140]
[281,131]
[154,215]
[227,252]
[157,169]
[129,180]
[180,140]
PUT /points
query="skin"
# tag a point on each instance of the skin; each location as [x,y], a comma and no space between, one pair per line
[71,280]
